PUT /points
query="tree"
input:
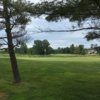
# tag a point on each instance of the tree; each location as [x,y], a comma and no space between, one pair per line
[14,16]
[76,50]
[22,49]
[38,47]
[97,49]
[42,47]
[31,51]
[72,48]
[46,48]
[82,50]
[81,11]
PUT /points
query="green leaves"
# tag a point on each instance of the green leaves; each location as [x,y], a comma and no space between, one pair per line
[75,10]
[93,35]
[42,47]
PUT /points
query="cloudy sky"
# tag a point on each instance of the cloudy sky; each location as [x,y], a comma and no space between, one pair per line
[56,39]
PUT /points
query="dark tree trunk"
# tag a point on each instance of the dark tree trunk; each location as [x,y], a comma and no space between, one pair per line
[13,60]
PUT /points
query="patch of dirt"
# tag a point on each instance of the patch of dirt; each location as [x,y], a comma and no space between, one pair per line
[3,96]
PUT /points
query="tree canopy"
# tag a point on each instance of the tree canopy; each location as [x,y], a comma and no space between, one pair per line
[42,47]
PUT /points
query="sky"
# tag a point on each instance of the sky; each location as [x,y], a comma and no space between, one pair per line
[57,39]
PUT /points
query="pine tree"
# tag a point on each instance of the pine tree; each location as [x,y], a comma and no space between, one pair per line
[14,16]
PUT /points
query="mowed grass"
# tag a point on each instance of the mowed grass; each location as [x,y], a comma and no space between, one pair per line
[52,78]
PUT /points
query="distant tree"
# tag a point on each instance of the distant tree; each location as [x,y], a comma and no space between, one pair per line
[67,50]
[46,47]
[17,50]
[38,47]
[42,47]
[22,49]
[97,49]
[82,49]
[92,46]
[59,50]
[76,50]
[31,51]
[72,48]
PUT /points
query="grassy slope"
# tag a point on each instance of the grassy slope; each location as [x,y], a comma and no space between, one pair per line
[52,78]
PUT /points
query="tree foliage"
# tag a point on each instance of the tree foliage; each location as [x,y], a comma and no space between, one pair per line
[71,50]
[22,49]
[42,47]
[80,11]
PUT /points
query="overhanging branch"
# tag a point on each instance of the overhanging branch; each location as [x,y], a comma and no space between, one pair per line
[72,30]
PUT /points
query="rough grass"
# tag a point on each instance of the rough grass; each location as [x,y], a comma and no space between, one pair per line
[52,78]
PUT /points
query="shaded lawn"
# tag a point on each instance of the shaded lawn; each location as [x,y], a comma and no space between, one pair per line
[45,79]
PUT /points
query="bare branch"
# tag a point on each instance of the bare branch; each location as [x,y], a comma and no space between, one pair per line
[14,37]
[72,30]
[2,22]
[3,44]
[5,41]
[2,38]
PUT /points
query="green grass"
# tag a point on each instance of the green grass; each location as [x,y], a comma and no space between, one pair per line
[52,78]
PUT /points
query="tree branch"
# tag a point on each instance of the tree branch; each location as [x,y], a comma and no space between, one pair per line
[72,30]
[3,44]
[14,37]
[2,38]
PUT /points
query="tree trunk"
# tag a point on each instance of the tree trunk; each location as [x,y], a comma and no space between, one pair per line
[13,60]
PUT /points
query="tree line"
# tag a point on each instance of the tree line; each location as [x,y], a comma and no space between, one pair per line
[42,47]
[39,48]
